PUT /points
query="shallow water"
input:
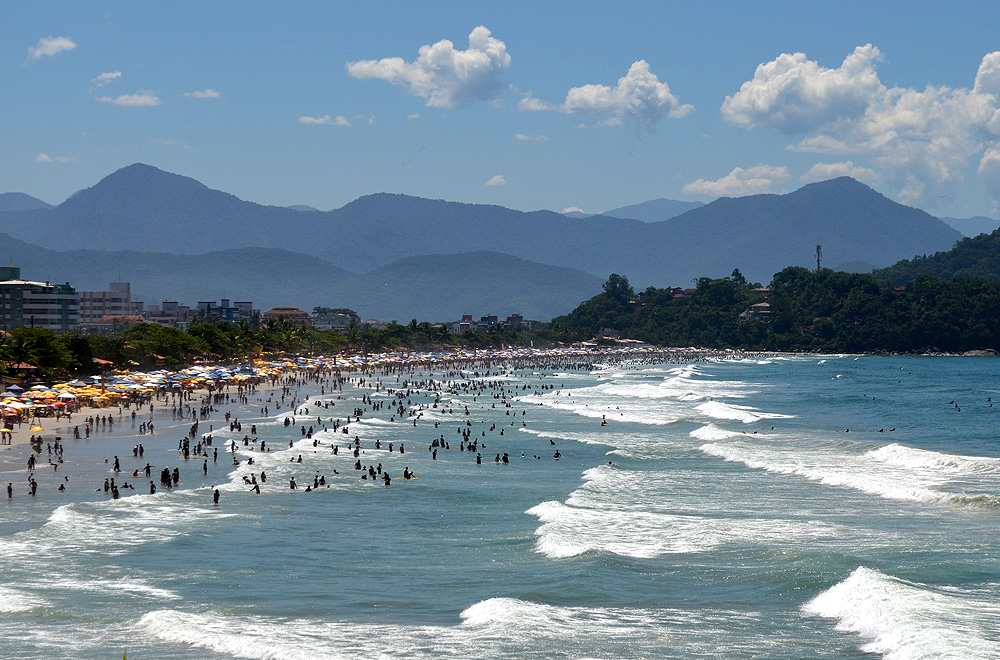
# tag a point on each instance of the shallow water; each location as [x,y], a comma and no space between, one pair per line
[738,517]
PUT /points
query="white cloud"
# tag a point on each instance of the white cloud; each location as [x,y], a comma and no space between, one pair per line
[531,104]
[795,95]
[45,158]
[530,138]
[639,95]
[326,120]
[446,77]
[824,171]
[203,94]
[750,181]
[989,172]
[498,180]
[415,115]
[50,46]
[573,209]
[921,140]
[105,78]
[139,100]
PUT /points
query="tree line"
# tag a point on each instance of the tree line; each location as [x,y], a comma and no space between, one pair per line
[975,257]
[824,311]
[148,346]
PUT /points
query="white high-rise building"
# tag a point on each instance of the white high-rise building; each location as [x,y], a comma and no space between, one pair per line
[36,304]
[95,305]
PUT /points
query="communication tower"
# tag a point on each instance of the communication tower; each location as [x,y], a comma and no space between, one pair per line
[819,255]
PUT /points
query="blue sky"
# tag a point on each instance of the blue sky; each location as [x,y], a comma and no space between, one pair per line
[550,105]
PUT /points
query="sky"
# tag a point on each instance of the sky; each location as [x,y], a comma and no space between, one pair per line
[529,105]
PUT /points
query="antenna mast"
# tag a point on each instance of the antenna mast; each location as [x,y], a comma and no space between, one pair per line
[819,255]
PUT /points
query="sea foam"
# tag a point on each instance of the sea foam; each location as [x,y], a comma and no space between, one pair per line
[902,620]
[894,472]
[489,629]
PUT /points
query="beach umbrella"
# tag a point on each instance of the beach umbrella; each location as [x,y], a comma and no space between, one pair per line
[14,388]
[65,395]
[36,429]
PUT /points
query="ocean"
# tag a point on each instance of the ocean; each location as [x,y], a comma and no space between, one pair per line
[836,507]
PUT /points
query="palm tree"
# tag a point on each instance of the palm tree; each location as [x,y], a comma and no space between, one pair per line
[5,352]
[354,332]
[246,338]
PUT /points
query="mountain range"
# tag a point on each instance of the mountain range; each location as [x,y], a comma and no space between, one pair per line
[417,287]
[15,201]
[655,210]
[432,254]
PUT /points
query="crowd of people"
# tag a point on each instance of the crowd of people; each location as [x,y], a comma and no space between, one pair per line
[421,396]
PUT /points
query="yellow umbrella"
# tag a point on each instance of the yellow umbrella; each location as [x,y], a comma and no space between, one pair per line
[36,429]
[7,430]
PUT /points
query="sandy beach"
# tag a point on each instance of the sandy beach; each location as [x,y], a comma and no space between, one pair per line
[84,463]
[63,427]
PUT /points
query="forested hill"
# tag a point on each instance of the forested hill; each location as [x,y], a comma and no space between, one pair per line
[971,257]
[823,311]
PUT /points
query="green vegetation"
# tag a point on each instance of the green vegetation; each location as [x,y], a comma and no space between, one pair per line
[971,257]
[149,346]
[333,314]
[826,311]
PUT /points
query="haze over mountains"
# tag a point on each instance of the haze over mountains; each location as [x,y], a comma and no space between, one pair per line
[458,253]
[655,210]
[973,226]
[15,201]
[417,287]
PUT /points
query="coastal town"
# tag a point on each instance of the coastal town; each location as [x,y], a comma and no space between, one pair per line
[61,308]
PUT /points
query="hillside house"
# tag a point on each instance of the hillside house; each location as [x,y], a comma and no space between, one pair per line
[758,312]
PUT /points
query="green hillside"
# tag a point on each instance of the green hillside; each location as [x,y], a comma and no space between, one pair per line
[971,257]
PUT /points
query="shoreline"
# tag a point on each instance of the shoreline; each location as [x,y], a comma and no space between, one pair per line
[350,363]
[21,433]
[90,458]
